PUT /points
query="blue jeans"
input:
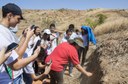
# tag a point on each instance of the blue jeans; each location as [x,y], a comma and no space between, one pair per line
[18,80]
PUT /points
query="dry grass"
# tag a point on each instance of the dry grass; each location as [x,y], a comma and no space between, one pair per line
[117,24]
[63,18]
[94,11]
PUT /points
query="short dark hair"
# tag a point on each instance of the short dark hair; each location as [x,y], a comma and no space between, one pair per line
[77,30]
[52,25]
[68,30]
[71,26]
[11,8]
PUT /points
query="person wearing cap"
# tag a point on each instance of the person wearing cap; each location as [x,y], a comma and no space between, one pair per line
[45,42]
[11,16]
[60,57]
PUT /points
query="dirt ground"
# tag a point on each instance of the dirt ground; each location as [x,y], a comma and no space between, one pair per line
[67,79]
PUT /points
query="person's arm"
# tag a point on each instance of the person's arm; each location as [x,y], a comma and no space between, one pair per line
[59,31]
[42,76]
[39,77]
[40,65]
[24,43]
[3,56]
[82,70]
[20,63]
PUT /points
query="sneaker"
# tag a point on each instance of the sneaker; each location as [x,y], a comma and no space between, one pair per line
[71,75]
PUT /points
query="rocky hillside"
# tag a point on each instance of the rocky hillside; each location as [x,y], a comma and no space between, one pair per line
[108,61]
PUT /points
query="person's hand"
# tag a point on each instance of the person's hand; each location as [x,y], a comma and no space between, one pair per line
[30,32]
[37,51]
[89,74]
[4,56]
[47,69]
[24,31]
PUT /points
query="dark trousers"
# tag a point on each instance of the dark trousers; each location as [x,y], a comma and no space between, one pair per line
[56,77]
[84,55]
[70,67]
[27,78]
[80,50]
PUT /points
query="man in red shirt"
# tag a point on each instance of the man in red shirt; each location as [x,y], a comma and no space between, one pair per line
[63,53]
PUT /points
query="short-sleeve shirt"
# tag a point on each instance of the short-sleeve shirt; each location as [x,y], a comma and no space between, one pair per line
[62,54]
[6,38]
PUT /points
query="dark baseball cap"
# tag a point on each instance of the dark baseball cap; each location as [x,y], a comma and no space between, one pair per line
[13,8]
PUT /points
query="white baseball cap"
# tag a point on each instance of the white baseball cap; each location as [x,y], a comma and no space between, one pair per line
[47,31]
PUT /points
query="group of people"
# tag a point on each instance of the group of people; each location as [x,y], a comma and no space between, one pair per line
[40,54]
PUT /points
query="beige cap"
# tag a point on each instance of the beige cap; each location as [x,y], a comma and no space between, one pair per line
[78,41]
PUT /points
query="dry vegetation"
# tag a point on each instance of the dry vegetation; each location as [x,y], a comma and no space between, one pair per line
[109,61]
[114,25]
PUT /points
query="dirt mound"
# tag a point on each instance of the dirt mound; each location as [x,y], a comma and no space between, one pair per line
[109,61]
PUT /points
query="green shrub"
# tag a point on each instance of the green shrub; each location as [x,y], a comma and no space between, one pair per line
[101,18]
[91,23]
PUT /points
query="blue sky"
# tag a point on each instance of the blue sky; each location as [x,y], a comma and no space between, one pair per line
[70,4]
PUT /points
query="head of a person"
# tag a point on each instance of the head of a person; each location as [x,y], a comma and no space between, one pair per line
[46,34]
[37,30]
[12,13]
[77,31]
[71,27]
[52,27]
[77,42]
[84,30]
[68,33]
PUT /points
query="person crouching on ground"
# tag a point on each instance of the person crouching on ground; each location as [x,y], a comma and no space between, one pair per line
[60,57]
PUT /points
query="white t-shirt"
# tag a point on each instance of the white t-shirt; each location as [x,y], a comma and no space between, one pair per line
[29,68]
[6,38]
[73,35]
[53,37]
[63,40]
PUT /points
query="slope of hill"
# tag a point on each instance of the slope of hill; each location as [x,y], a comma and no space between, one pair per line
[109,61]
